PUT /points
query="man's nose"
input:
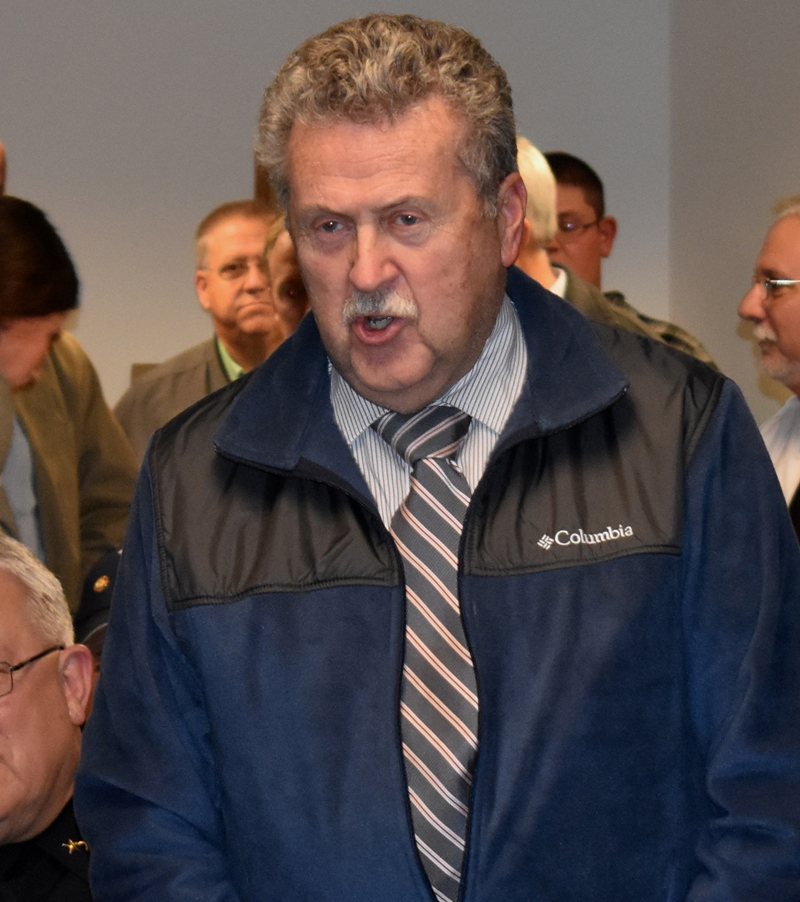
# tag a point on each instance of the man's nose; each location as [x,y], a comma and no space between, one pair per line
[371,267]
[256,278]
[752,305]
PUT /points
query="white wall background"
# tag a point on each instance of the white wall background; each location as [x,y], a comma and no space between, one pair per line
[128,120]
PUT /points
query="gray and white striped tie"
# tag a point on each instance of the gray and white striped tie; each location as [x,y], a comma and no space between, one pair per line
[439,696]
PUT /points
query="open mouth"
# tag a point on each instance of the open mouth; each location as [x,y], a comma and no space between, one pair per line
[377,323]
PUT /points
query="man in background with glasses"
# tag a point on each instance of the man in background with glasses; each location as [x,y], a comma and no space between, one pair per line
[541,232]
[585,236]
[45,686]
[773,304]
[233,285]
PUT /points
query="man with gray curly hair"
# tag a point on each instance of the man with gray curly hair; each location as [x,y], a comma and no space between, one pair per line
[441,602]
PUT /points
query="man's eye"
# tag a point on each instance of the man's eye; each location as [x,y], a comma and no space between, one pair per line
[233,270]
[407,219]
[330,225]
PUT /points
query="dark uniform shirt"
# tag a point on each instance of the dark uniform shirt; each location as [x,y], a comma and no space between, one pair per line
[43,869]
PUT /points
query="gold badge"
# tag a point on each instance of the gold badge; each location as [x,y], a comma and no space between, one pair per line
[72,845]
[101,583]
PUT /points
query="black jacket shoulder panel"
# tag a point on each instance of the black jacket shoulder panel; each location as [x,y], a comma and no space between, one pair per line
[285,531]
[658,369]
[607,486]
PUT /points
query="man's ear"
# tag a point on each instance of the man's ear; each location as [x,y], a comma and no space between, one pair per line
[76,667]
[512,199]
[201,287]
[607,227]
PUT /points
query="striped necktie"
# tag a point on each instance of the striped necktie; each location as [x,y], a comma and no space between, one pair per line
[439,702]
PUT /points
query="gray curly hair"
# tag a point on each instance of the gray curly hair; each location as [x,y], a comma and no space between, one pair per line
[375,69]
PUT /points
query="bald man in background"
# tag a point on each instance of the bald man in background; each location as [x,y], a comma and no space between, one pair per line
[248,281]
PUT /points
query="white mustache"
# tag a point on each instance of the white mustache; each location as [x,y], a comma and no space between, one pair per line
[382,302]
[762,332]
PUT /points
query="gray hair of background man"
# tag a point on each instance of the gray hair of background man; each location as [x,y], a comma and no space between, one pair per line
[235,209]
[541,186]
[789,206]
[46,605]
[378,67]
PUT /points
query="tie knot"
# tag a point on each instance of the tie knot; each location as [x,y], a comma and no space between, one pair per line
[433,432]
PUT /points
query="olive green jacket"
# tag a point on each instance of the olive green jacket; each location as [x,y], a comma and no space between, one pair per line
[154,398]
[84,467]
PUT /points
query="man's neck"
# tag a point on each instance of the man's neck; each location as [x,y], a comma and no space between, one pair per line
[536,264]
[249,351]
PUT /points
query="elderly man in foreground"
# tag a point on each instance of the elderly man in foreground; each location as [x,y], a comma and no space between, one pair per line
[45,686]
[459,596]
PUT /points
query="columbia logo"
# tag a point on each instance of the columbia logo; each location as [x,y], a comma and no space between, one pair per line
[565,537]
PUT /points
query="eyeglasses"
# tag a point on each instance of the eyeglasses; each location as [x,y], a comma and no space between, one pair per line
[238,269]
[772,287]
[569,231]
[7,670]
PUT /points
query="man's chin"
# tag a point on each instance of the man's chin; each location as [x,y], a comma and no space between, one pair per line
[23,385]
[776,366]
[257,322]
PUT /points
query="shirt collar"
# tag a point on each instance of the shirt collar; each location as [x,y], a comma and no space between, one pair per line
[502,362]
[559,287]
[230,367]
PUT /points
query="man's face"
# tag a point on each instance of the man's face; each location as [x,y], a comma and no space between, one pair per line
[586,241]
[40,720]
[286,285]
[386,209]
[24,346]
[777,318]
[233,284]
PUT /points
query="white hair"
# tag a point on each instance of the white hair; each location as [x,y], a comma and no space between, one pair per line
[789,206]
[541,186]
[46,606]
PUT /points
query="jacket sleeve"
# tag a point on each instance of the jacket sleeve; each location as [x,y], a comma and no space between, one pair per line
[106,465]
[147,795]
[742,633]
[84,466]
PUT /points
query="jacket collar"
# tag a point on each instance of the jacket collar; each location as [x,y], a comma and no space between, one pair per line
[570,376]
[282,418]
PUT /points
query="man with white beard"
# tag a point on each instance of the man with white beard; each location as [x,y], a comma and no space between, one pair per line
[773,304]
